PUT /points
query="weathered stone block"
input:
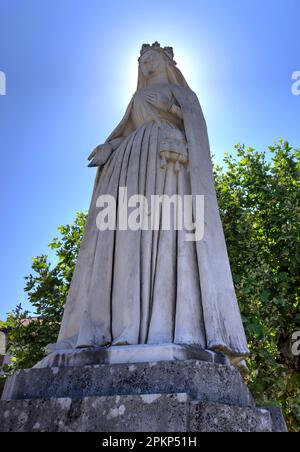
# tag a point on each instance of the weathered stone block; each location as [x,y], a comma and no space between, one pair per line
[166,396]
[143,413]
[208,417]
[199,379]
[278,421]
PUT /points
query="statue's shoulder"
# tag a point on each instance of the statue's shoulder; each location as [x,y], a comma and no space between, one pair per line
[178,88]
[184,94]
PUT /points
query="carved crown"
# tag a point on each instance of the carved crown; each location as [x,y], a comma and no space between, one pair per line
[168,51]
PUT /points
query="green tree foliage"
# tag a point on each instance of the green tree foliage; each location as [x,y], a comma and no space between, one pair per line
[46,289]
[259,199]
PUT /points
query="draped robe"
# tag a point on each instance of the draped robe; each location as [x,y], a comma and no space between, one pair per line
[153,287]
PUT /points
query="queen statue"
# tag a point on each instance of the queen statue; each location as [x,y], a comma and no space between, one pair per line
[151,285]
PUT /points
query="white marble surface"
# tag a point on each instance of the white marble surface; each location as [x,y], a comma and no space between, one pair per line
[151,288]
[125,354]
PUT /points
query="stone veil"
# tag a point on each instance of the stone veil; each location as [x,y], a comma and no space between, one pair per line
[153,287]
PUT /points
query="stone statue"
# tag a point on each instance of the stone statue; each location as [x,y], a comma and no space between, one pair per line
[151,324]
[152,286]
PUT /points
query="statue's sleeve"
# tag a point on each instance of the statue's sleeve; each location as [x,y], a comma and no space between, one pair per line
[123,129]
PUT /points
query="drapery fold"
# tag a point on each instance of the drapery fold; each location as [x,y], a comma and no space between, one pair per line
[152,286]
[144,285]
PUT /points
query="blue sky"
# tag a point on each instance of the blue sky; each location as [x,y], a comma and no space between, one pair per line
[71,69]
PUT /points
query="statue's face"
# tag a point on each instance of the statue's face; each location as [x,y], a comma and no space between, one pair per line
[151,63]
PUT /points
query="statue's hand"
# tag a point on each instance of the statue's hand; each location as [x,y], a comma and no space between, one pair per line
[100,148]
[158,99]
[100,154]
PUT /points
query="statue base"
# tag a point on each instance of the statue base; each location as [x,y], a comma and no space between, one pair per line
[122,354]
[170,395]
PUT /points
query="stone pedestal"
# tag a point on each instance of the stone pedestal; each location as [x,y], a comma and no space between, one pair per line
[123,354]
[86,393]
